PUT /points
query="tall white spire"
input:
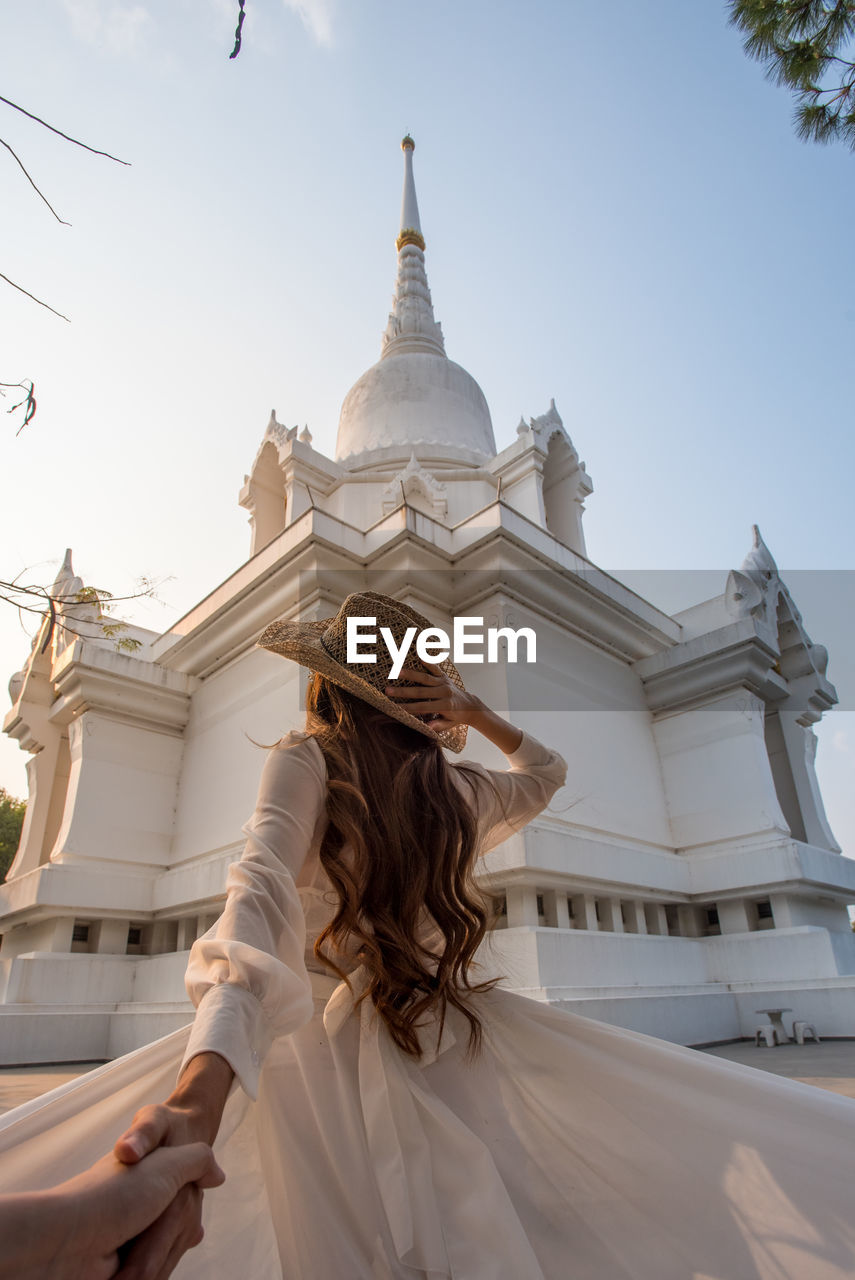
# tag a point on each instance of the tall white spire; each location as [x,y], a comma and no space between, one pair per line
[412,326]
[414,400]
[411,227]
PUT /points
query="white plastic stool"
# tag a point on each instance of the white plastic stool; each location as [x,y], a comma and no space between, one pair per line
[768,1033]
[802,1029]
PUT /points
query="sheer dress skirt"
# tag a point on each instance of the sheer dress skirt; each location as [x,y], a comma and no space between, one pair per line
[569,1150]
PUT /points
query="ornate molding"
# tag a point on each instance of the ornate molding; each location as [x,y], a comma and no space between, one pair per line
[410,236]
[757,591]
[90,678]
[415,481]
[696,671]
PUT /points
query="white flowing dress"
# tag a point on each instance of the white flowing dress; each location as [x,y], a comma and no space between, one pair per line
[569,1150]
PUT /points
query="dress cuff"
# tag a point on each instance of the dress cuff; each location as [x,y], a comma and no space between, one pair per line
[529,752]
[230,1021]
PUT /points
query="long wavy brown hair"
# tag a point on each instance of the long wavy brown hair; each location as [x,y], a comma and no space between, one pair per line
[399,849]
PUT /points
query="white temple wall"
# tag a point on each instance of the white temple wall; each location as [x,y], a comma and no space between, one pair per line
[537,957]
[843,947]
[561,958]
[121,792]
[695,1018]
[36,1035]
[525,494]
[465,497]
[131,1026]
[357,503]
[259,696]
[161,977]
[362,503]
[591,708]
[47,778]
[588,857]
[776,955]
[70,979]
[711,752]
[800,744]
[766,862]
[58,797]
[827,1003]
[789,910]
[42,935]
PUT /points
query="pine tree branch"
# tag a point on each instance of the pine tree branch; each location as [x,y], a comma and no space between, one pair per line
[799,41]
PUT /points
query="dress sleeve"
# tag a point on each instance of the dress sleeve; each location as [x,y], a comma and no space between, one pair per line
[507,799]
[247,975]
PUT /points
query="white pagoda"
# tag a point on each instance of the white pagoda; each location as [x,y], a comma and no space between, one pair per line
[684,877]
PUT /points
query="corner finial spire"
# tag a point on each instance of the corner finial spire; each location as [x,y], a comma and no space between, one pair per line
[412,326]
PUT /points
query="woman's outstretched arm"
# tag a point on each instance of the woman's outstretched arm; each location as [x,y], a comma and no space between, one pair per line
[191,1113]
[247,974]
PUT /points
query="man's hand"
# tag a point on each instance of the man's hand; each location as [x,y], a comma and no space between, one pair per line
[75,1231]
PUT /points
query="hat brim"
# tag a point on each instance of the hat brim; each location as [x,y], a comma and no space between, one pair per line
[301,642]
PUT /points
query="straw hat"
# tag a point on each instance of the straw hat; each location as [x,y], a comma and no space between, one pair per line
[322,646]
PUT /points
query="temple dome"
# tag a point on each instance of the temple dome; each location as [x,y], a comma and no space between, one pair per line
[413,399]
[414,396]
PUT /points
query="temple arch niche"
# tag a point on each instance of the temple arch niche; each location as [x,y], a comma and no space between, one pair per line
[56,799]
[782,774]
[790,740]
[565,486]
[49,765]
[267,498]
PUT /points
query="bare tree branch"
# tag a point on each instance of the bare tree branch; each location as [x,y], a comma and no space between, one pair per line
[76,142]
[54,610]
[51,625]
[38,191]
[86,595]
[33,296]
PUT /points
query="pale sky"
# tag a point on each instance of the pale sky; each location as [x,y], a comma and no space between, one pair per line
[617,214]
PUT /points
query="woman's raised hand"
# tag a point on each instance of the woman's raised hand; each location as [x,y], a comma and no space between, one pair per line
[436,699]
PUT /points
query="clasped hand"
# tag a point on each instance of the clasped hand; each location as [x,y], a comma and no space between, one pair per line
[115,1221]
[190,1115]
[155,1252]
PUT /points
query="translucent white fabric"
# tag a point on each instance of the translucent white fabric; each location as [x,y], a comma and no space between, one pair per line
[569,1150]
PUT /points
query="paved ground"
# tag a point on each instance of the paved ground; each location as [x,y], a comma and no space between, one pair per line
[829,1065]
[20,1084]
